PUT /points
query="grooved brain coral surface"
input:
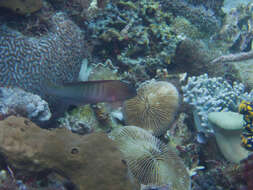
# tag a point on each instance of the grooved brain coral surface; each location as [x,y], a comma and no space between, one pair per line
[30,63]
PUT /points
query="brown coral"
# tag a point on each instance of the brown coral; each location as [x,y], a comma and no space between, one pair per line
[90,161]
[154,107]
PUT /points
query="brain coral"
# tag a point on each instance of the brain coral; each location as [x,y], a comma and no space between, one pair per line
[153,108]
[150,161]
[30,63]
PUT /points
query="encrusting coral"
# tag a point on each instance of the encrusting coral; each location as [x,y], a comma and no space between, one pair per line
[15,101]
[150,161]
[154,107]
[30,63]
[90,162]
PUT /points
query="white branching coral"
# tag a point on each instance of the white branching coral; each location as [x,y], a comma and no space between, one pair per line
[212,95]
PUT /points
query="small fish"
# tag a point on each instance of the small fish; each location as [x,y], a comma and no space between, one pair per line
[201,138]
[91,92]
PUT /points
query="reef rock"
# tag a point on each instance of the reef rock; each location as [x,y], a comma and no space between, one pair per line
[15,101]
[22,6]
[90,161]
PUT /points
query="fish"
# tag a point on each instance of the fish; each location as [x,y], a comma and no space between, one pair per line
[91,92]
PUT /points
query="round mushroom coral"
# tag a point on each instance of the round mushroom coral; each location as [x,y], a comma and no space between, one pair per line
[150,161]
[153,108]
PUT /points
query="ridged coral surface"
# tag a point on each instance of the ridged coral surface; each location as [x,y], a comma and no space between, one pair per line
[150,161]
[154,107]
[30,63]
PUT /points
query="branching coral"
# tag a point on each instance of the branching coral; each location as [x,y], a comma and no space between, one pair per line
[149,160]
[233,57]
[210,95]
[154,107]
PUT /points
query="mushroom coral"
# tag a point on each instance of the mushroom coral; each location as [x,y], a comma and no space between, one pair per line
[150,161]
[153,108]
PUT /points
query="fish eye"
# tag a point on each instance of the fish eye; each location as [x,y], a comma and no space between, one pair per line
[74,151]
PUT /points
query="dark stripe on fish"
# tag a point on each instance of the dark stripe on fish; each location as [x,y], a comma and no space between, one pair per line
[90,92]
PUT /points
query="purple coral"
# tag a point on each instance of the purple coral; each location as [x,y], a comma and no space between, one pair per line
[30,63]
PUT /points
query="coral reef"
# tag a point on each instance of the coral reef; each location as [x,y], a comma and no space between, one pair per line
[15,101]
[236,31]
[81,120]
[31,63]
[89,118]
[241,174]
[10,182]
[153,108]
[149,160]
[210,95]
[139,37]
[242,70]
[228,5]
[214,5]
[22,7]
[201,17]
[90,162]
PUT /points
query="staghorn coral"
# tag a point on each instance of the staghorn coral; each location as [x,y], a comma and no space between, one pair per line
[154,107]
[30,63]
[150,161]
